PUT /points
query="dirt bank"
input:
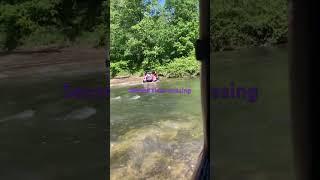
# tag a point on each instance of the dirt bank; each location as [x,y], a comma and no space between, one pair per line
[42,63]
[51,62]
[126,81]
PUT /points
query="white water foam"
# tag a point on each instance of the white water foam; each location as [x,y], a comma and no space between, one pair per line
[22,115]
[81,114]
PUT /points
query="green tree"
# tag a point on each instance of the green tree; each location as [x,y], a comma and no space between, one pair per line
[63,18]
[147,34]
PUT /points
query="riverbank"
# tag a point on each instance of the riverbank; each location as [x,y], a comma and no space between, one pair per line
[136,80]
[49,62]
[44,63]
[125,81]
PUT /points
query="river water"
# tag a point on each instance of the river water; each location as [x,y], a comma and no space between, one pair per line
[159,136]
[44,136]
[153,135]
[252,141]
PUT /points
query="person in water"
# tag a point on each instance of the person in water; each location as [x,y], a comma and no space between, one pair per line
[154,76]
[148,77]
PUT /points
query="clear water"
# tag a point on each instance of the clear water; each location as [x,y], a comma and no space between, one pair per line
[155,135]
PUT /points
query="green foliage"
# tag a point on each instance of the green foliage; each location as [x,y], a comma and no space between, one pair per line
[144,33]
[114,70]
[43,22]
[43,37]
[147,35]
[244,23]
[180,67]
[117,67]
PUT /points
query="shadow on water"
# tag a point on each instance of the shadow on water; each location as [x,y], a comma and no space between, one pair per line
[45,136]
[252,141]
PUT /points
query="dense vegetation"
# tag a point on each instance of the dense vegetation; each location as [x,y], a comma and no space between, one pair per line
[245,23]
[148,34]
[145,34]
[47,22]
